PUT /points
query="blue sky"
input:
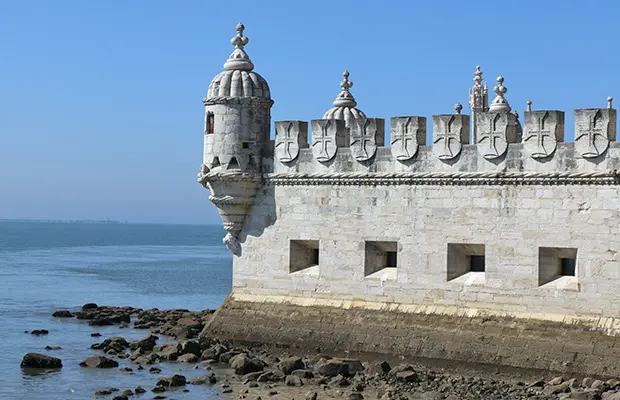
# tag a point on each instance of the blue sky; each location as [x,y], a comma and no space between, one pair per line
[100,101]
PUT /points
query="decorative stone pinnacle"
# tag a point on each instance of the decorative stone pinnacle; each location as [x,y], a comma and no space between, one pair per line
[458,107]
[239,41]
[529,105]
[239,59]
[346,84]
[345,98]
[609,100]
[500,104]
[478,75]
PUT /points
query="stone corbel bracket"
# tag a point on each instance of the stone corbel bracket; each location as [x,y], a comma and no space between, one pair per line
[233,193]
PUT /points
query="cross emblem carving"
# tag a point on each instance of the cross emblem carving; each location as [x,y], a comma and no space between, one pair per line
[592,131]
[323,140]
[360,137]
[287,140]
[496,138]
[403,135]
[448,137]
[540,132]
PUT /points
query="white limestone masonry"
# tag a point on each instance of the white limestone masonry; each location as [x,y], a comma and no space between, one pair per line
[517,223]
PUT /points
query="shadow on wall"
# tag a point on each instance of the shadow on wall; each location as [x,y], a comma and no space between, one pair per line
[262,214]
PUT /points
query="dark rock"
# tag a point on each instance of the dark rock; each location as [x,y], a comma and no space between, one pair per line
[127,393]
[100,322]
[252,376]
[354,396]
[139,390]
[167,352]
[105,392]
[99,362]
[146,344]
[189,347]
[202,380]
[172,381]
[303,373]
[39,332]
[271,376]
[243,364]
[378,368]
[159,397]
[353,365]
[125,369]
[89,306]
[154,370]
[288,365]
[214,352]
[36,360]
[293,380]
[226,356]
[333,367]
[62,314]
[158,389]
[53,348]
[120,397]
[95,334]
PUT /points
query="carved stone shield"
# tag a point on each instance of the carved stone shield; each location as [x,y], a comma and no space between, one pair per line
[406,134]
[495,131]
[594,128]
[543,130]
[366,135]
[450,132]
[290,137]
[327,136]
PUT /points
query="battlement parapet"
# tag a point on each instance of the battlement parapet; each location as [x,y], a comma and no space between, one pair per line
[501,145]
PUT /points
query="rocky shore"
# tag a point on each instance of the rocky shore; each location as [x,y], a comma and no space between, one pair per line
[259,372]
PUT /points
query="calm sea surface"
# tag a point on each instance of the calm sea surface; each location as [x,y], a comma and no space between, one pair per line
[50,266]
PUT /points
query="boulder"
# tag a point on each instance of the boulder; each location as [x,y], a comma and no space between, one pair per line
[99,362]
[189,347]
[288,365]
[139,390]
[204,379]
[41,361]
[145,344]
[53,348]
[226,356]
[39,332]
[167,352]
[243,364]
[172,381]
[303,373]
[62,314]
[339,381]
[354,396]
[332,367]
[89,306]
[378,368]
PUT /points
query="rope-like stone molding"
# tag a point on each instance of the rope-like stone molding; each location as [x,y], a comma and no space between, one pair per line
[446,178]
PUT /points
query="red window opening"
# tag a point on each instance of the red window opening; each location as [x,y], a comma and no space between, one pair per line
[210,122]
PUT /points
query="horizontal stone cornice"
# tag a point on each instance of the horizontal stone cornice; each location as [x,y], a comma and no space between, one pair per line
[446,178]
[260,101]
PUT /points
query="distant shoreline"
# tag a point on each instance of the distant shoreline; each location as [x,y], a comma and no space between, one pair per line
[96,222]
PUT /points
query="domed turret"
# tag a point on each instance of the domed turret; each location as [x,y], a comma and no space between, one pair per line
[344,105]
[237,123]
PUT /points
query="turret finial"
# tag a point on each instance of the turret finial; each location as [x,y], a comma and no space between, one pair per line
[609,100]
[345,98]
[500,104]
[478,75]
[239,59]
[458,107]
[529,105]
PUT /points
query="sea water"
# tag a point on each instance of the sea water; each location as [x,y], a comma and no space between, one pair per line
[46,266]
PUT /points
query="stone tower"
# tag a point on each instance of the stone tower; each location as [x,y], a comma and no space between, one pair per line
[237,124]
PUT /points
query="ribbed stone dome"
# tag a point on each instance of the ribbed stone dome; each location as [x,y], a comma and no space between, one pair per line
[239,83]
[344,105]
[238,79]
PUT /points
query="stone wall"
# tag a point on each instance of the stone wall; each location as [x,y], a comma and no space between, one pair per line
[567,347]
[516,222]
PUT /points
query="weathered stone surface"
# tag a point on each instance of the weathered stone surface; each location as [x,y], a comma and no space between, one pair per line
[290,137]
[542,132]
[594,129]
[495,131]
[406,135]
[450,133]
[366,135]
[327,136]
[99,362]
